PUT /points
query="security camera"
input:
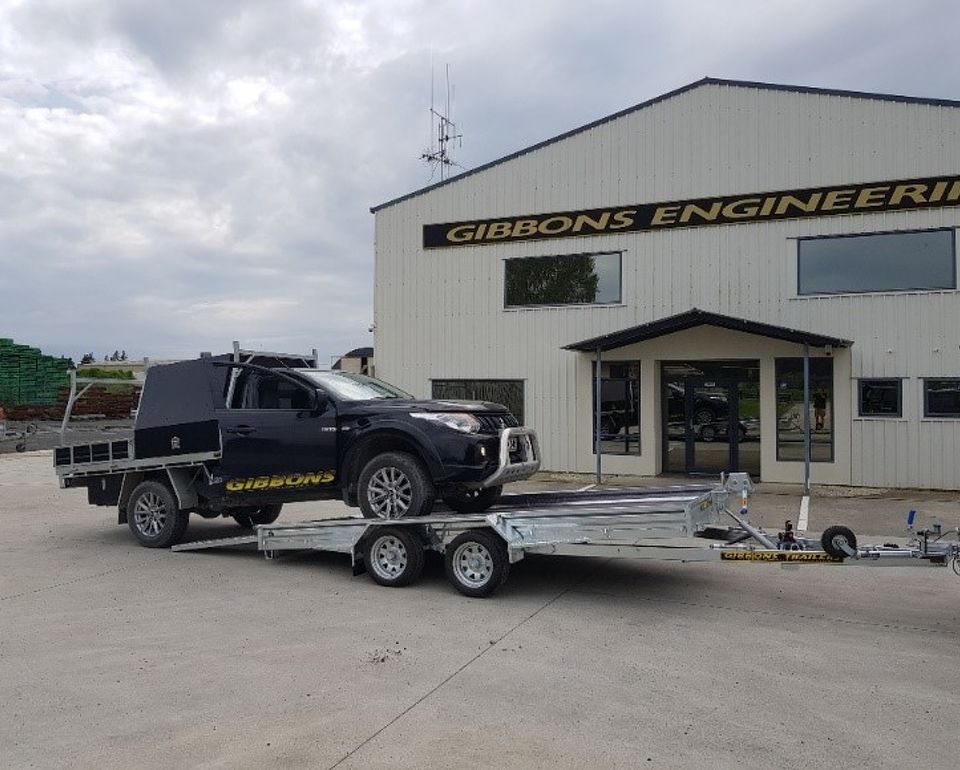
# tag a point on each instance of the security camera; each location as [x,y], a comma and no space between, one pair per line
[372,328]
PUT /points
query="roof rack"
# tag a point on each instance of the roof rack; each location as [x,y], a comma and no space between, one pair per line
[243,356]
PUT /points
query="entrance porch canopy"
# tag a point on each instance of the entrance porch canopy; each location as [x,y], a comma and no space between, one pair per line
[697,317]
[689,320]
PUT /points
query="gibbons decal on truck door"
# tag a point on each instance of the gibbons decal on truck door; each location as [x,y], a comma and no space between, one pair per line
[280,481]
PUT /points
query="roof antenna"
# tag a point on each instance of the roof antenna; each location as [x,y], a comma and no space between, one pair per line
[443,134]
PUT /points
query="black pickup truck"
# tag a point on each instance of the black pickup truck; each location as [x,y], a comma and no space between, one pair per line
[218,436]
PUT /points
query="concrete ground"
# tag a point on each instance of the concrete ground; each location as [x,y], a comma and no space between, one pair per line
[112,655]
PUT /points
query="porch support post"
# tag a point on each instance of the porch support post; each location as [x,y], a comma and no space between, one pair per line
[806,418]
[598,407]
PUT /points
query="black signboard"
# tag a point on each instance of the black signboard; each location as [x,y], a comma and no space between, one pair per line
[930,192]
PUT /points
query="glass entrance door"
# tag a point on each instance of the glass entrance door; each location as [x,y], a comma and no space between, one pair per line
[711,412]
[711,436]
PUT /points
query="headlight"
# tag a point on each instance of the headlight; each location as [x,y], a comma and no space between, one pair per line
[465,423]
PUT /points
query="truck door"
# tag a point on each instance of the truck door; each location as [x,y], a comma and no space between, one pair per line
[277,444]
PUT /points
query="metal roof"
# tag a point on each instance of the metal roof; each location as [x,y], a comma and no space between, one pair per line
[707,81]
[697,317]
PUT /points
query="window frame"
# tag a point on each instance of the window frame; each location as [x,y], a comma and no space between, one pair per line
[862,381]
[837,236]
[613,303]
[926,400]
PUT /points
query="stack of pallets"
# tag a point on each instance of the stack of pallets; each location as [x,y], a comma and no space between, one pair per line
[27,377]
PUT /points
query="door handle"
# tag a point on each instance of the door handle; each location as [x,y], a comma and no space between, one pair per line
[241,430]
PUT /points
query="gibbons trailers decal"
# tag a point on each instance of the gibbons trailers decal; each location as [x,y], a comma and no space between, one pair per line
[931,192]
[807,557]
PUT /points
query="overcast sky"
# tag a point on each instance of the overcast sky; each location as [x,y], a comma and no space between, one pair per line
[177,174]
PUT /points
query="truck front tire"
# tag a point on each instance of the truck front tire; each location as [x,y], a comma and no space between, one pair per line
[394,485]
[154,516]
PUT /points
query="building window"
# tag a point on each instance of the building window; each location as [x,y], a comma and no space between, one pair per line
[881,398]
[506,392]
[907,261]
[789,376]
[573,279]
[941,397]
[619,408]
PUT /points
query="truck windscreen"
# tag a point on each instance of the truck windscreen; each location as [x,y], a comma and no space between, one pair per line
[354,387]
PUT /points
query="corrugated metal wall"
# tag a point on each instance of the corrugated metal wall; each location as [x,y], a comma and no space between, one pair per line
[439,313]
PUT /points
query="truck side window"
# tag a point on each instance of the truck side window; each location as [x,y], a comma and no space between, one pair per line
[255,390]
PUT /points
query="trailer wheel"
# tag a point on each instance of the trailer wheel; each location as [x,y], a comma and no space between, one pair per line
[393,556]
[252,517]
[154,516]
[834,538]
[473,500]
[394,485]
[477,562]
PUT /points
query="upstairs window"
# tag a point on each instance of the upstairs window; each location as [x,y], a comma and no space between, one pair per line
[907,261]
[572,279]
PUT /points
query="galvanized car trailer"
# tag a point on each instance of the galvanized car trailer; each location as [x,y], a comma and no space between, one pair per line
[628,523]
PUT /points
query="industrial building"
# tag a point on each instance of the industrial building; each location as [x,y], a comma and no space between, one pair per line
[698,245]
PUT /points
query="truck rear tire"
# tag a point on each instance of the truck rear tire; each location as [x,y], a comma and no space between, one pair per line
[473,500]
[154,516]
[395,485]
[253,517]
[393,556]
[477,562]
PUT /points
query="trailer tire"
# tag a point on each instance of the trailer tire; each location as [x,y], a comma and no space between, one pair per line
[473,500]
[154,516]
[393,556]
[395,485]
[253,517]
[834,538]
[477,563]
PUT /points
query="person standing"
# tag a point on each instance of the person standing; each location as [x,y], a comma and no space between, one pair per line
[819,409]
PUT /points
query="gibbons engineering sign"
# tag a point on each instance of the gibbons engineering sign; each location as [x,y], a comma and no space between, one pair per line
[724,210]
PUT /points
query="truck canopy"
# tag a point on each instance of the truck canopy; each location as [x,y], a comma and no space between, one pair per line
[177,409]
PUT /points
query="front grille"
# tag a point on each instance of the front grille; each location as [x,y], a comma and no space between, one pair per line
[494,423]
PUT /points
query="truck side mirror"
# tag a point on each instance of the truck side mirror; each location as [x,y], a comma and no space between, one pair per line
[320,403]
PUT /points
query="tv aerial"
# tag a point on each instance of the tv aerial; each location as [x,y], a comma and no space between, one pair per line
[443,134]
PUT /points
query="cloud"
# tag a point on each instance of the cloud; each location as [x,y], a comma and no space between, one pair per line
[180,174]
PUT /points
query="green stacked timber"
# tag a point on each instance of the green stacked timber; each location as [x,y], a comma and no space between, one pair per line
[29,377]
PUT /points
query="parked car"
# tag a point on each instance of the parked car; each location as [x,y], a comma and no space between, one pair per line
[707,408]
